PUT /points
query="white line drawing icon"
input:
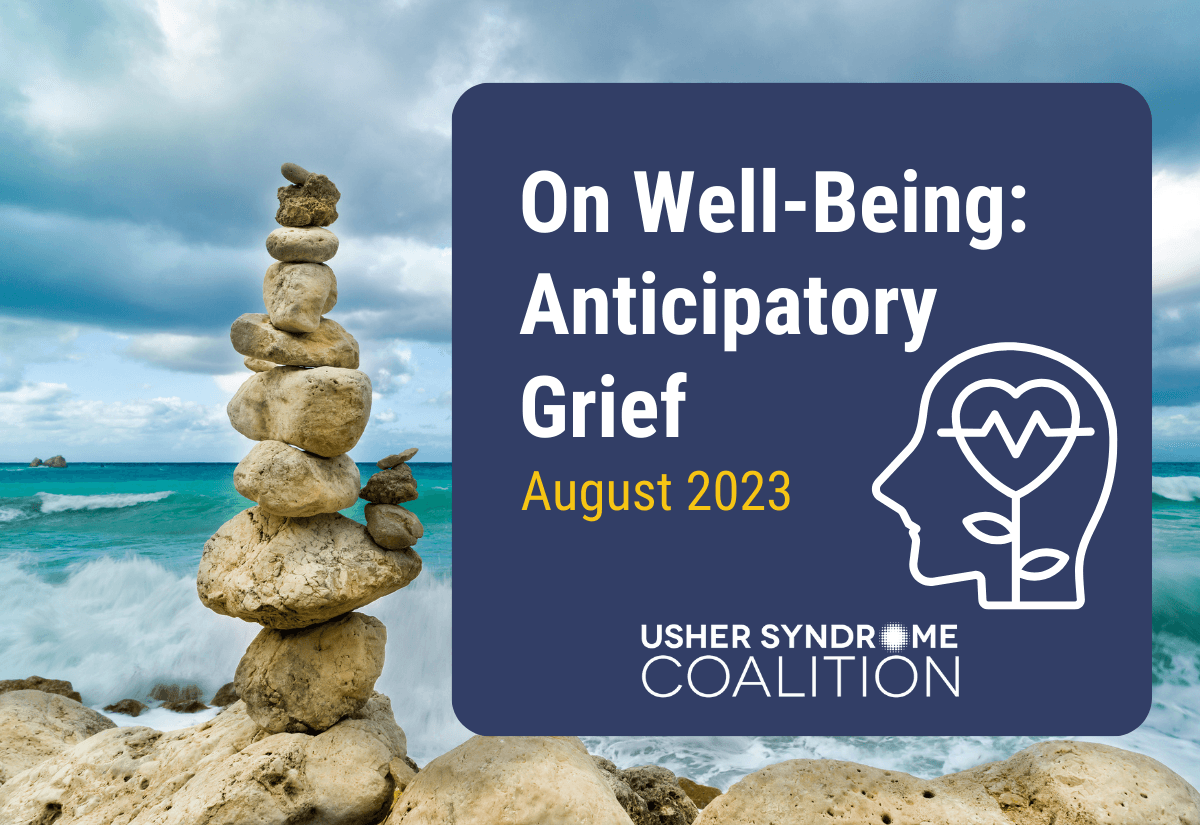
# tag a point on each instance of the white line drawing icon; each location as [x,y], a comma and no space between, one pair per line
[1011,525]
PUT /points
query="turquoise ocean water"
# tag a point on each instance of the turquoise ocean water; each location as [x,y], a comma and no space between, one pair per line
[97,585]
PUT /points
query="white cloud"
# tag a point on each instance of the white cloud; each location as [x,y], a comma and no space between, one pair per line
[1173,423]
[1176,228]
[231,382]
[183,353]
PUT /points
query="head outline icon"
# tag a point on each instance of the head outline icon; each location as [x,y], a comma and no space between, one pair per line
[959,433]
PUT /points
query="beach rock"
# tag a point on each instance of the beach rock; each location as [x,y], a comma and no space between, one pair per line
[126,707]
[258,365]
[803,791]
[287,573]
[313,202]
[290,482]
[225,696]
[37,462]
[309,244]
[700,794]
[666,801]
[55,461]
[633,804]
[59,686]
[171,692]
[297,295]
[35,726]
[298,209]
[226,771]
[185,706]
[322,410]
[392,526]
[510,780]
[253,335]
[1083,783]
[304,681]
[294,172]
[398,458]
[393,486]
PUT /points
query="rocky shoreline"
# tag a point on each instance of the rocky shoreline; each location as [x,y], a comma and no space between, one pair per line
[61,762]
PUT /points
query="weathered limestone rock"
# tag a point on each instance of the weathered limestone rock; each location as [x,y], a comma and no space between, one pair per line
[126,707]
[37,462]
[1082,783]
[803,791]
[56,461]
[700,794]
[392,526]
[633,804]
[666,801]
[312,201]
[226,771]
[59,686]
[290,482]
[258,365]
[511,780]
[304,681]
[255,336]
[309,244]
[35,726]
[295,572]
[322,410]
[398,458]
[297,295]
[225,696]
[393,486]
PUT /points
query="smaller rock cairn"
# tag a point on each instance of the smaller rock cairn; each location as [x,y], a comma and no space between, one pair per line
[293,563]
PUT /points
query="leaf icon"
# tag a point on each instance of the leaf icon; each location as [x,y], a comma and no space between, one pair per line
[1000,538]
[1045,553]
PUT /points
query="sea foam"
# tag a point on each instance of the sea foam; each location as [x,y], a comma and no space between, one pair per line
[55,503]
[1176,488]
[116,627]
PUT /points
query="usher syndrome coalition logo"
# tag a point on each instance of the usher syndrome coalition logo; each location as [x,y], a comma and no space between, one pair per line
[699,322]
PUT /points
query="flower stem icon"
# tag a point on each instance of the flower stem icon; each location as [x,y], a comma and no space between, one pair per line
[957,372]
[1012,525]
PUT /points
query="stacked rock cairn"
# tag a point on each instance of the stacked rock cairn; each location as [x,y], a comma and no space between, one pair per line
[293,563]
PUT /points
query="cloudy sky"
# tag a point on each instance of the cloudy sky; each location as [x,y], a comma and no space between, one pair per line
[141,143]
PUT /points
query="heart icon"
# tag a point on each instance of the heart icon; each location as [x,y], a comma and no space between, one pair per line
[1017,445]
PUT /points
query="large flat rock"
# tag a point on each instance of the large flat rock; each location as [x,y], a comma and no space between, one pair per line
[35,726]
[1084,783]
[288,482]
[322,410]
[287,573]
[510,780]
[304,681]
[805,791]
[226,771]
[329,345]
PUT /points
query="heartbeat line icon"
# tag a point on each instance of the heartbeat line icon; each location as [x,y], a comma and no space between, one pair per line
[1015,448]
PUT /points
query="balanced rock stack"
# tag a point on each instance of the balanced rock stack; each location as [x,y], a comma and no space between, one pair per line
[293,563]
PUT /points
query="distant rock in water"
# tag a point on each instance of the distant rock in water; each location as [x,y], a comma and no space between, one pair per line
[185,706]
[59,686]
[224,697]
[37,462]
[126,707]
[56,461]
[175,693]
